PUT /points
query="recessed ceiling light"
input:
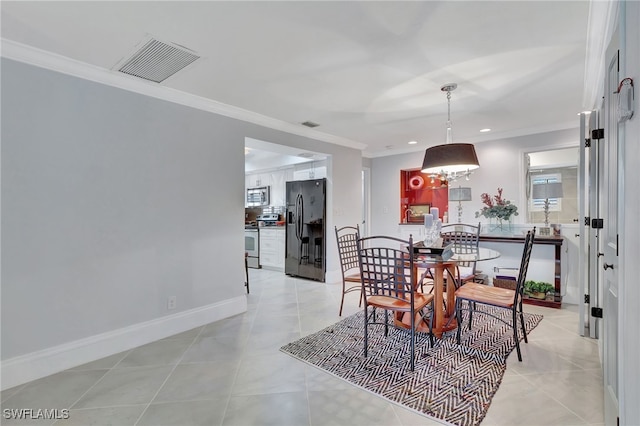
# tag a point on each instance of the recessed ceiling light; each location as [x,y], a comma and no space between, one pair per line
[413,142]
[485,130]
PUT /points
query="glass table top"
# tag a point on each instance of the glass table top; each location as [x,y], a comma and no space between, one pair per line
[481,254]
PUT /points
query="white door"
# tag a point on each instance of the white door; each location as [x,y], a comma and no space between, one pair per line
[609,235]
[593,234]
[588,194]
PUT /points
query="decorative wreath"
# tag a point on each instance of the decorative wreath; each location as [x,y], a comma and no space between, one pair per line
[416,182]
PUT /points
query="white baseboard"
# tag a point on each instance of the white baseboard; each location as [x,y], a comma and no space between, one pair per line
[42,363]
[273,268]
[334,276]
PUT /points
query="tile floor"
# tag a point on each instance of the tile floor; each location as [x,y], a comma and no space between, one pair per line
[232,373]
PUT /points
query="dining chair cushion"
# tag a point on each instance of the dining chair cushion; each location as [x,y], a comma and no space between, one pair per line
[495,296]
[419,299]
[353,278]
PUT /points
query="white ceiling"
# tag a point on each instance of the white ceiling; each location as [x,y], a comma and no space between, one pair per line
[368,72]
[261,155]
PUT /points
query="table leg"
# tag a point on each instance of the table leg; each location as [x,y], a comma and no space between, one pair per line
[442,317]
[438,305]
[451,291]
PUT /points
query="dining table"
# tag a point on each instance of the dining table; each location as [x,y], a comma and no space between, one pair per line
[444,270]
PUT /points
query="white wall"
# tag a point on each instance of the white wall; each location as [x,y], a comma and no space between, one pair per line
[112,202]
[555,158]
[501,165]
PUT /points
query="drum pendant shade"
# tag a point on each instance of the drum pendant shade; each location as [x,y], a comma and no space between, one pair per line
[450,158]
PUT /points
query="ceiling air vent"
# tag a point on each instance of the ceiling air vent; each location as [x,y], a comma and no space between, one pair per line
[310,124]
[157,61]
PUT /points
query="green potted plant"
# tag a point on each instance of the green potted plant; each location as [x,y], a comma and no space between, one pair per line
[497,208]
[537,289]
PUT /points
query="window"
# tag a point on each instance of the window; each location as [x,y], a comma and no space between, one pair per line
[537,204]
[557,166]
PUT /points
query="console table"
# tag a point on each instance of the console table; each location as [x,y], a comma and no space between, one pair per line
[551,240]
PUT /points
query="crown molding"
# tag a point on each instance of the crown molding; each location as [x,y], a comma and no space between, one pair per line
[54,62]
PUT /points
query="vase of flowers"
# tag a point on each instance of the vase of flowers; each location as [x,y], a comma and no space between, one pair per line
[499,210]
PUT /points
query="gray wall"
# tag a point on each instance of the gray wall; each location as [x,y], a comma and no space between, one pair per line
[114,201]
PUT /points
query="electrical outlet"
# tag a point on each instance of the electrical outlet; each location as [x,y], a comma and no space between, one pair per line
[171,302]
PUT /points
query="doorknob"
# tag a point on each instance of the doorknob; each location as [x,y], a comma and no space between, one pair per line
[607,266]
[576,220]
[576,235]
[601,254]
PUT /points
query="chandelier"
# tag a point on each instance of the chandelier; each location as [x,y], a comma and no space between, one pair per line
[450,160]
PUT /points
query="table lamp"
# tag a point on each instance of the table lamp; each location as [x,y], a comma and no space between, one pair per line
[459,194]
[545,191]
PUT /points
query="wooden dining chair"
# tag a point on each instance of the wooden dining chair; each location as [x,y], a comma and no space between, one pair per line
[475,295]
[389,283]
[349,261]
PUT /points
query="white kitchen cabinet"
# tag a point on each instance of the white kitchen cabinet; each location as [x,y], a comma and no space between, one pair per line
[259,179]
[275,180]
[278,188]
[306,171]
[288,175]
[272,247]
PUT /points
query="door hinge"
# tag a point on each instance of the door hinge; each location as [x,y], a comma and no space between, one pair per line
[587,143]
[597,223]
[587,220]
[587,298]
[597,134]
[596,312]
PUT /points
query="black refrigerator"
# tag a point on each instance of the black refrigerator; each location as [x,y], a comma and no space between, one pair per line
[305,229]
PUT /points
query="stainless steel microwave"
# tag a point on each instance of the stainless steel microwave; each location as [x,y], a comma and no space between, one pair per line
[258,196]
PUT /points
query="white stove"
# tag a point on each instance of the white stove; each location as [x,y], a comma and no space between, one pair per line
[268,219]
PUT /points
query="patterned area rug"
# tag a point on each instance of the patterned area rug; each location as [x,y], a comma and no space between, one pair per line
[452,383]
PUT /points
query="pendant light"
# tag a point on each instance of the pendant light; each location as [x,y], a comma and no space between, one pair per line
[451,160]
